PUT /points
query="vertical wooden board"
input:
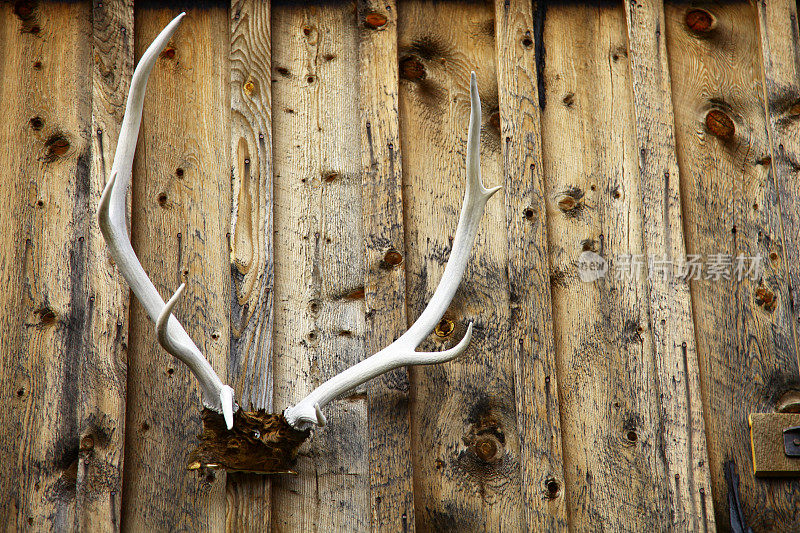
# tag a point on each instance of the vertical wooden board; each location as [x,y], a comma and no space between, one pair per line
[252,273]
[465,443]
[780,48]
[181,205]
[683,431]
[611,424]
[45,153]
[531,321]
[392,493]
[103,373]
[745,335]
[319,265]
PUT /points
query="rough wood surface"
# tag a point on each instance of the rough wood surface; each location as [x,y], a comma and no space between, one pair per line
[181,209]
[745,330]
[103,375]
[391,483]
[611,420]
[45,154]
[319,259]
[531,322]
[682,436]
[464,421]
[252,272]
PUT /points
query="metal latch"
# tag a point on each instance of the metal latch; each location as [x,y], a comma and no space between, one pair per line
[775,441]
[791,441]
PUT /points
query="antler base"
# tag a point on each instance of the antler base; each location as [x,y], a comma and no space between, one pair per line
[259,443]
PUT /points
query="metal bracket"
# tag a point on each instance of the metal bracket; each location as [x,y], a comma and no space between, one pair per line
[791,441]
[775,441]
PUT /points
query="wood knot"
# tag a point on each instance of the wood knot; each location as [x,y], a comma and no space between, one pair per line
[375,20]
[392,258]
[56,146]
[486,439]
[552,488]
[168,52]
[444,328]
[700,21]
[412,69]
[37,123]
[720,124]
[24,9]
[766,299]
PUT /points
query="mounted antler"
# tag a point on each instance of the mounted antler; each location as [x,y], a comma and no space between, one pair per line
[111,217]
[259,441]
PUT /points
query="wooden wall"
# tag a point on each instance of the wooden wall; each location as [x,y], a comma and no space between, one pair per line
[300,166]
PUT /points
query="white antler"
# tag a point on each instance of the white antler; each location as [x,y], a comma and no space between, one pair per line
[402,352]
[111,216]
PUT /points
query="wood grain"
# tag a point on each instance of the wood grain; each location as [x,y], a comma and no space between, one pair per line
[745,330]
[611,419]
[682,434]
[251,234]
[531,322]
[392,493]
[103,374]
[45,151]
[319,259]
[464,421]
[181,205]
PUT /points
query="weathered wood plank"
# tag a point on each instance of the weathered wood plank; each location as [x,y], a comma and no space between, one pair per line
[45,151]
[103,374]
[611,421]
[181,209]
[392,492]
[745,334]
[250,362]
[671,321]
[319,263]
[531,322]
[464,421]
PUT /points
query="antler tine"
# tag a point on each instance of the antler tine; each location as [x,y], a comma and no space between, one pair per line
[402,352]
[111,218]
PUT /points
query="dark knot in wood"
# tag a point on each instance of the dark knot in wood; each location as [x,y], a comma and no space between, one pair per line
[259,443]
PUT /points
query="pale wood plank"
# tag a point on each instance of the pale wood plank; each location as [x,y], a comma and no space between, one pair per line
[250,363]
[611,420]
[531,322]
[45,151]
[103,375]
[464,422]
[391,480]
[745,334]
[319,259]
[180,220]
[671,320]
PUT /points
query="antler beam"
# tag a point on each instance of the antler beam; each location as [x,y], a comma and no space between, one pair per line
[403,352]
[111,218]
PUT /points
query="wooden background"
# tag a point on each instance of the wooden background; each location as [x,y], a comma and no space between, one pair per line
[286,148]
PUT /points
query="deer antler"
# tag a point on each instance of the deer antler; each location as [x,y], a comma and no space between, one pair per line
[403,352]
[111,217]
[263,442]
